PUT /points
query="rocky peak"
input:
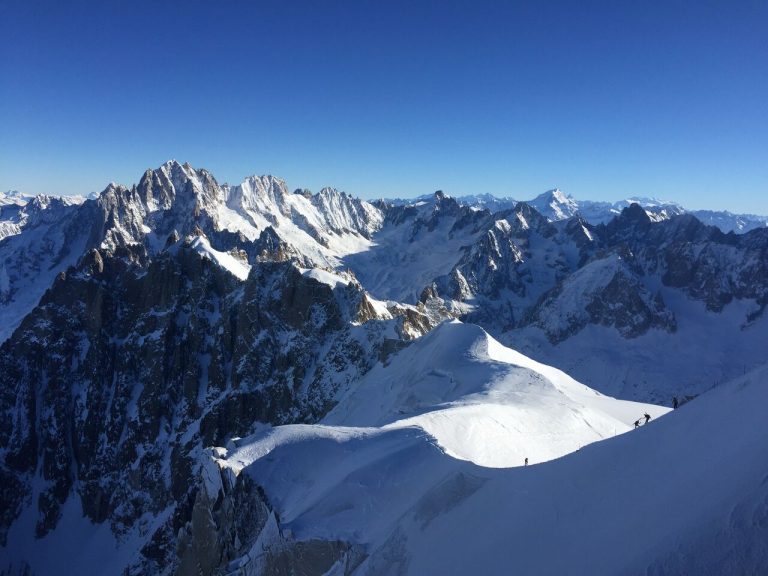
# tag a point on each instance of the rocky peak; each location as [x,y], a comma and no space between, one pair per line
[634,213]
[555,205]
[343,213]
[174,186]
[524,218]
[446,204]
[632,223]
[270,247]
[445,210]
[264,194]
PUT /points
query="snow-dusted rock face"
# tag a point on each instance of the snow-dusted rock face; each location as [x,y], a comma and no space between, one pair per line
[46,235]
[17,210]
[154,320]
[415,244]
[603,292]
[139,366]
[507,268]
[701,260]
[545,287]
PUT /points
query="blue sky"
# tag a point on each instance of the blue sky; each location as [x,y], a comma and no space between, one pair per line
[602,99]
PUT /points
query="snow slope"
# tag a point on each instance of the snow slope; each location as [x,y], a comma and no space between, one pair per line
[685,494]
[225,260]
[483,402]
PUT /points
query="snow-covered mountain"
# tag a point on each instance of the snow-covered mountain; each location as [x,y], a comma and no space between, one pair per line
[730,222]
[416,243]
[557,205]
[13,198]
[305,336]
[259,216]
[509,270]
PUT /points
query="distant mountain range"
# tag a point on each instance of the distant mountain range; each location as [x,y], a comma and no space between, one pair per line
[557,205]
[554,204]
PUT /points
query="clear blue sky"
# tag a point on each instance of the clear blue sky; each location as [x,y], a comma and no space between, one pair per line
[603,99]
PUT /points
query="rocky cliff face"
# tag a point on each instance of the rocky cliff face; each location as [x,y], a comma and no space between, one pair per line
[511,266]
[705,263]
[562,276]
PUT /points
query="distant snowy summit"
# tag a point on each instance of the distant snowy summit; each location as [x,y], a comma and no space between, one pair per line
[556,205]
[16,198]
[13,198]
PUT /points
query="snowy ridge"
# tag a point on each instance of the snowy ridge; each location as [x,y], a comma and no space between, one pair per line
[483,402]
[677,495]
[479,400]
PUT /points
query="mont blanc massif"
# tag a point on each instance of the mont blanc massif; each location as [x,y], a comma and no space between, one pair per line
[203,379]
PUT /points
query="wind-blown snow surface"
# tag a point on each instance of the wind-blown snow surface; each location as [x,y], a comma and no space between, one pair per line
[685,494]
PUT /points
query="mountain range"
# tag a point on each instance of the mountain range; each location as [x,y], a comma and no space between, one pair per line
[557,205]
[199,378]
